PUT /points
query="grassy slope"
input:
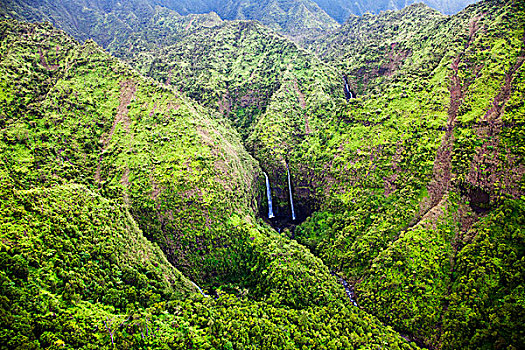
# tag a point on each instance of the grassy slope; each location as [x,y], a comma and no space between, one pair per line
[295,18]
[235,67]
[402,174]
[370,47]
[71,260]
[266,85]
[371,163]
[341,10]
[380,163]
[100,124]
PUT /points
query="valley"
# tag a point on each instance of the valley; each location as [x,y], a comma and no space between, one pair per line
[175,179]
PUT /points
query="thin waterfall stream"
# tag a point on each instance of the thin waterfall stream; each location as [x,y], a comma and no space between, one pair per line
[269,195]
[348,90]
[199,289]
[290,191]
[285,206]
[348,93]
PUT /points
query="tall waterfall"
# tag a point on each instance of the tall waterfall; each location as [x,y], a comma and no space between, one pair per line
[290,190]
[269,195]
[348,93]
[348,90]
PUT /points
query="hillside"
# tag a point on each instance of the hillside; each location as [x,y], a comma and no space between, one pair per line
[342,10]
[370,48]
[238,68]
[294,18]
[255,78]
[107,21]
[393,147]
[419,165]
[124,128]
[101,167]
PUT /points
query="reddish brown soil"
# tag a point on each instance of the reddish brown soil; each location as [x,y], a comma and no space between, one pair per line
[490,170]
[390,181]
[300,95]
[44,61]
[189,24]
[302,103]
[125,182]
[127,93]
[442,171]
[395,59]
[224,104]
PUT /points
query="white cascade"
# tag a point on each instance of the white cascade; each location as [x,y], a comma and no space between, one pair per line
[269,195]
[348,90]
[290,191]
[199,289]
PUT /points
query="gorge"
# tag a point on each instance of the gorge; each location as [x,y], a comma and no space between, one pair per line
[170,179]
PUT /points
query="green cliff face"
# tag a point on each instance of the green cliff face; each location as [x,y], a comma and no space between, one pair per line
[130,139]
[123,185]
[342,10]
[112,185]
[422,162]
[108,21]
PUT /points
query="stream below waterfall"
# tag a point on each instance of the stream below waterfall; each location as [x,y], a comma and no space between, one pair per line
[349,290]
[285,217]
[277,223]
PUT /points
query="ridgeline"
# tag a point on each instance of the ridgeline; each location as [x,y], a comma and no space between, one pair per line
[176,180]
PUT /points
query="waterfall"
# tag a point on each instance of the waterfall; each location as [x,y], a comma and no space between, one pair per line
[290,190]
[269,195]
[348,93]
[348,90]
[199,289]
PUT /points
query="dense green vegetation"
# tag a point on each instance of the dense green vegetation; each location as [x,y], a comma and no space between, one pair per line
[122,129]
[265,84]
[78,273]
[108,21]
[115,187]
[419,164]
[342,10]
[119,190]
[237,68]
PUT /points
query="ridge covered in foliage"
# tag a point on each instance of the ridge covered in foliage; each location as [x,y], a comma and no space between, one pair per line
[342,10]
[420,164]
[100,168]
[108,21]
[413,191]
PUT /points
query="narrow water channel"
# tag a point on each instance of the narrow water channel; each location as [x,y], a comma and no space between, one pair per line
[349,290]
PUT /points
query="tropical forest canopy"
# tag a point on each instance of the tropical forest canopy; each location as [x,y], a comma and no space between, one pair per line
[262,175]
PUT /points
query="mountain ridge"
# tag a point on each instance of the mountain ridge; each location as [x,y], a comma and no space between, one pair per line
[410,188]
[82,19]
[298,19]
[342,10]
[100,167]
